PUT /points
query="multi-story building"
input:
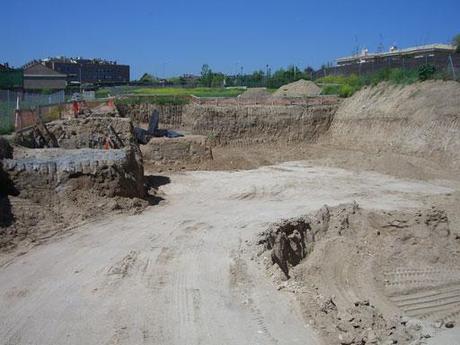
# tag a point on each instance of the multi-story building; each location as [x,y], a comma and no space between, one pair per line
[441,56]
[422,54]
[94,71]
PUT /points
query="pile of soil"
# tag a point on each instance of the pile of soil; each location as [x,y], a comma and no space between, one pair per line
[300,88]
[255,93]
[368,277]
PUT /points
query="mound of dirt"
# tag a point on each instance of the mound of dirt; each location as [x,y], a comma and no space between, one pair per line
[300,88]
[368,276]
[255,93]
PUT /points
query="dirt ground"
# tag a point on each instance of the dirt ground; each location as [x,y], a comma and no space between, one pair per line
[377,265]
[184,272]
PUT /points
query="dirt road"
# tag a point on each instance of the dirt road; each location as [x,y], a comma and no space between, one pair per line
[181,272]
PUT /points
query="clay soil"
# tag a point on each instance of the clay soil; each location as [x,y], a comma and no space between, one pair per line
[381,265]
[186,271]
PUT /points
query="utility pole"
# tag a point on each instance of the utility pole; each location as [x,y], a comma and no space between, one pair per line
[380,47]
[452,65]
[266,75]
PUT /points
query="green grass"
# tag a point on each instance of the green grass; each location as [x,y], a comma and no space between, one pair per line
[161,100]
[198,92]
[172,92]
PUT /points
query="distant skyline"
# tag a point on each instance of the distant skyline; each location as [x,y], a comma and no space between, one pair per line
[167,38]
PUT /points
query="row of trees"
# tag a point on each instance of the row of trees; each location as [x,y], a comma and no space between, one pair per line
[258,78]
[209,78]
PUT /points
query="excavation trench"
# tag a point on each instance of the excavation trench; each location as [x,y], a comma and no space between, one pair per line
[187,270]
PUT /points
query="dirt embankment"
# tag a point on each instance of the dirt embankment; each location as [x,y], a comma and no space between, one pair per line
[365,276]
[253,124]
[170,114]
[175,153]
[420,120]
[409,131]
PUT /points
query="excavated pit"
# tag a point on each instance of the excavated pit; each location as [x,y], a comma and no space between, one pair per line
[360,276]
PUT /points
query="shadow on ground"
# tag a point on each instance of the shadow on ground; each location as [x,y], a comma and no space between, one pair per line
[6,188]
[152,185]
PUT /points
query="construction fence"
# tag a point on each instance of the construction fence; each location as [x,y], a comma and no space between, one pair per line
[25,118]
[9,100]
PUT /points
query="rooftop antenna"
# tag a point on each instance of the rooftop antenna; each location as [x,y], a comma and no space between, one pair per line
[356,48]
[426,38]
[380,47]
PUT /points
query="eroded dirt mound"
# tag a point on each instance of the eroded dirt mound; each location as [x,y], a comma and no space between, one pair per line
[44,191]
[300,88]
[369,276]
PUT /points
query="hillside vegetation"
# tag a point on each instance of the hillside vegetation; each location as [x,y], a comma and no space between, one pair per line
[345,86]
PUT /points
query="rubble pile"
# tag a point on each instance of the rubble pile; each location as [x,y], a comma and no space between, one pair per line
[67,171]
[92,132]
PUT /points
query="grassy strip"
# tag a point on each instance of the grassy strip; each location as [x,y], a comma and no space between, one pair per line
[176,91]
[160,100]
[198,92]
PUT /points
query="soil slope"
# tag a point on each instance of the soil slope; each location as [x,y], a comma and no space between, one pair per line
[421,120]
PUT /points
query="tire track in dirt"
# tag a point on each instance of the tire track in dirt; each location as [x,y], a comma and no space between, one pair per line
[428,294]
[242,284]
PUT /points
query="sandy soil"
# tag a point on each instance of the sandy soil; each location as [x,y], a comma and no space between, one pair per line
[182,272]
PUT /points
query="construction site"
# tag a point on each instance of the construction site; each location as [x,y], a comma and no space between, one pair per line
[269,218]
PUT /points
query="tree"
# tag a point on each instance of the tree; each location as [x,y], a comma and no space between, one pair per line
[426,72]
[456,42]
[217,80]
[206,76]
[147,79]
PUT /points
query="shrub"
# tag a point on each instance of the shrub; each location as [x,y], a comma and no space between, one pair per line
[346,90]
[331,89]
[456,43]
[426,72]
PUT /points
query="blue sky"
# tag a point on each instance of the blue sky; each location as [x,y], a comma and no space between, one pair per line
[175,37]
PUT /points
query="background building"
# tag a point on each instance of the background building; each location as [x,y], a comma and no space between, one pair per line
[442,56]
[39,77]
[95,71]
